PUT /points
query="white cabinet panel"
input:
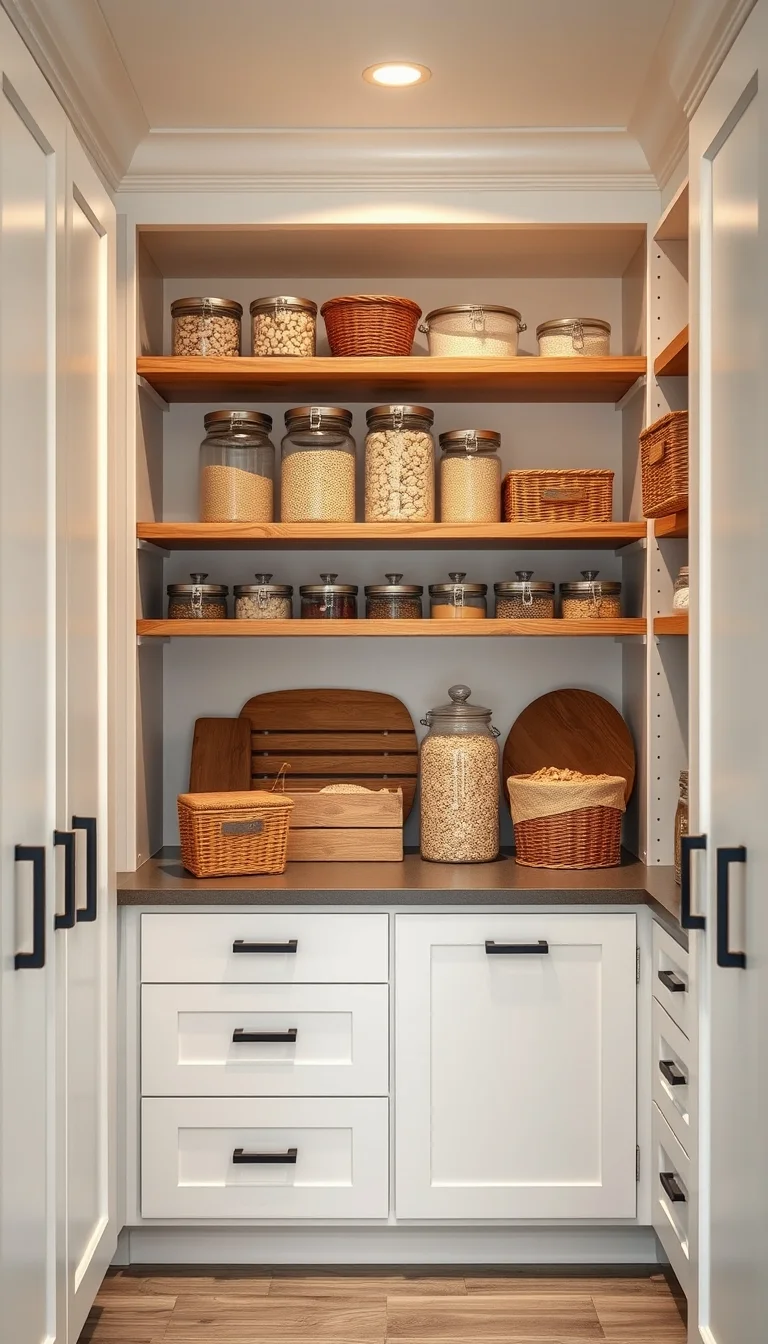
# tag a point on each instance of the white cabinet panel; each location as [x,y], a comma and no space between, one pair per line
[671,1080]
[515,1071]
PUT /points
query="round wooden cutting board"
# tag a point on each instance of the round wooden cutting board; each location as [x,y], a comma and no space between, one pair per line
[574,730]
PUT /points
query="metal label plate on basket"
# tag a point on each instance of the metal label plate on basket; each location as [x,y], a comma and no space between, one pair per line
[242,827]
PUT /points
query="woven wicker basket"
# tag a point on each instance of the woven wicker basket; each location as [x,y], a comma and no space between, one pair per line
[370,324]
[664,461]
[576,827]
[546,496]
[234,834]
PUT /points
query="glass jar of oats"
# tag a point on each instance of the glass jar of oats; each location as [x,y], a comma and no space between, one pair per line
[399,465]
[470,476]
[457,600]
[206,326]
[263,600]
[318,476]
[590,598]
[459,769]
[524,599]
[237,468]
[283,325]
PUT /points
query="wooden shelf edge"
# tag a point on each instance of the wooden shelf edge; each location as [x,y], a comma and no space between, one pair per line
[671,526]
[242,536]
[673,225]
[673,360]
[490,628]
[671,625]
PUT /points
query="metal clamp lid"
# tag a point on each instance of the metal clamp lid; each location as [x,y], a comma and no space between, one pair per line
[223,421]
[198,585]
[457,588]
[588,586]
[459,709]
[283,302]
[263,588]
[398,414]
[318,417]
[393,588]
[328,585]
[475,312]
[220,307]
[470,440]
[521,585]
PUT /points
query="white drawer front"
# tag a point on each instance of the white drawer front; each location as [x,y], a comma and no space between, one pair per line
[194,1040]
[285,948]
[670,972]
[670,1217]
[189,1149]
[671,1087]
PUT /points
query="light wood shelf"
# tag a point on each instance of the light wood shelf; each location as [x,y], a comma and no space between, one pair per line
[527,378]
[676,624]
[673,360]
[356,629]
[359,536]
[671,526]
[673,225]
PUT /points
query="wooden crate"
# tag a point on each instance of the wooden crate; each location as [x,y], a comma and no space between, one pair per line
[333,827]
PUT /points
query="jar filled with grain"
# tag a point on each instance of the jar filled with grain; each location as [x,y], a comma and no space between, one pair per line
[284,325]
[458,600]
[329,600]
[682,595]
[318,477]
[486,330]
[263,600]
[197,600]
[590,598]
[470,476]
[524,598]
[399,465]
[206,326]
[237,468]
[681,824]
[565,337]
[459,770]
[393,600]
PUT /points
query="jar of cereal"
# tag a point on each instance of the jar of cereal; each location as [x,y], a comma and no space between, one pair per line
[283,325]
[206,326]
[459,770]
[399,465]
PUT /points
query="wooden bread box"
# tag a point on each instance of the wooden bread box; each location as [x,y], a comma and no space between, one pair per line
[338,827]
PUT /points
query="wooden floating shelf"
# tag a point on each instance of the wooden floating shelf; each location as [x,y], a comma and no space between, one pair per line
[673,360]
[358,536]
[190,378]
[490,628]
[671,625]
[671,526]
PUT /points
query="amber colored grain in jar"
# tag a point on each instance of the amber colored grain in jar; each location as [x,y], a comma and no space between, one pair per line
[447,611]
[231,495]
[514,608]
[591,609]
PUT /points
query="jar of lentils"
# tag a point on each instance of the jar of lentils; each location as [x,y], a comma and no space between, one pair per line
[590,599]
[399,465]
[237,468]
[329,600]
[457,600]
[470,476]
[263,600]
[393,600]
[197,600]
[459,769]
[206,326]
[283,325]
[318,476]
[525,598]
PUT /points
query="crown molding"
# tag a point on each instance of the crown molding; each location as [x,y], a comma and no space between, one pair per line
[717,25]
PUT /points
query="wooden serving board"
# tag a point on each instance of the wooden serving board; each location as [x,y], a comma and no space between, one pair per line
[221,757]
[574,730]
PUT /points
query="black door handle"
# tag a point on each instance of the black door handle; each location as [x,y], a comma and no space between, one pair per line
[671,1187]
[288,1037]
[67,919]
[687,844]
[672,982]
[725,857]
[507,949]
[34,854]
[240,945]
[288,1158]
[669,1070]
[88,824]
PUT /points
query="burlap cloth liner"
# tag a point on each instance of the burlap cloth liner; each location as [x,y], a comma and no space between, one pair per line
[530,797]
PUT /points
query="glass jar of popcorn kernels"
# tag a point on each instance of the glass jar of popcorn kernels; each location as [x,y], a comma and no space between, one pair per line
[284,325]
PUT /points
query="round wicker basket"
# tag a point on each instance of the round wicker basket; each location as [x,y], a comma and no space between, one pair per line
[370,324]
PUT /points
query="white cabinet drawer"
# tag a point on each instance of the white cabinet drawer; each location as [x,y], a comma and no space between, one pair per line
[286,947]
[319,1158]
[671,1087]
[198,1040]
[670,978]
[670,1196]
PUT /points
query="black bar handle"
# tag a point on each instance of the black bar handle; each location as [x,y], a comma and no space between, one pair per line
[725,857]
[669,1070]
[240,945]
[88,824]
[507,949]
[240,1157]
[239,1035]
[67,919]
[672,982]
[671,1187]
[34,960]
[687,845]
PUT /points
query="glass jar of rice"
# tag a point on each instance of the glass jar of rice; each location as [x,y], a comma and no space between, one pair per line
[237,468]
[470,476]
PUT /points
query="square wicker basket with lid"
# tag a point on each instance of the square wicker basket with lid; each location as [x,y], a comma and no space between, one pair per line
[234,834]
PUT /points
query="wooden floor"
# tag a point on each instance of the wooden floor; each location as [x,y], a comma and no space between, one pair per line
[198,1305]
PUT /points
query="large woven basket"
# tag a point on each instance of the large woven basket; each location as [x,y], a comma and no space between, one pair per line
[578,835]
[234,834]
[370,324]
[664,463]
[542,495]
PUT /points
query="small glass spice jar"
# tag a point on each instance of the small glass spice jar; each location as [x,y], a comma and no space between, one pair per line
[457,600]
[681,823]
[284,325]
[206,326]
[393,600]
[197,600]
[470,476]
[263,600]
[329,600]
[237,468]
[318,475]
[590,599]
[399,465]
[523,598]
[681,598]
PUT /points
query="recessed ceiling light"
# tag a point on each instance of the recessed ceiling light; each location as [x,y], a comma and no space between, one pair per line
[397,74]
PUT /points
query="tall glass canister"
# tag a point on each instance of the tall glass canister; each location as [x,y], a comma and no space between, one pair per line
[459,770]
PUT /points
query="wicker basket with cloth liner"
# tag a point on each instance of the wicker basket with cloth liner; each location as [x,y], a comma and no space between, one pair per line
[664,465]
[234,834]
[564,819]
[370,324]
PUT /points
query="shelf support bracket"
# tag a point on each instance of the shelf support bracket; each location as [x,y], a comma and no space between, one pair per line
[632,392]
[150,392]
[141,640]
[149,548]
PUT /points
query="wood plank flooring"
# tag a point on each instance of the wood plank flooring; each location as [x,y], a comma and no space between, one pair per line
[201,1305]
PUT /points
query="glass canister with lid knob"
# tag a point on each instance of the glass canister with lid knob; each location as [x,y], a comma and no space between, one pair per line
[459,769]
[197,600]
[263,600]
[525,598]
[470,476]
[237,468]
[458,600]
[590,598]
[399,465]
[329,600]
[393,600]
[318,473]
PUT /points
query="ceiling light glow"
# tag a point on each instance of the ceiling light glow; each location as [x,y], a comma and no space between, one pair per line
[396,74]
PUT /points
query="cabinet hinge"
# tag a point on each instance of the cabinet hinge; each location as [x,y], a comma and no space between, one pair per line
[637,965]
[637,1162]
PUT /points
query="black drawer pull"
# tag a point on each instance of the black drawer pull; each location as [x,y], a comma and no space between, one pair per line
[34,960]
[669,1070]
[240,945]
[687,845]
[67,919]
[288,1037]
[672,982]
[88,824]
[240,1157]
[671,1187]
[725,857]
[507,949]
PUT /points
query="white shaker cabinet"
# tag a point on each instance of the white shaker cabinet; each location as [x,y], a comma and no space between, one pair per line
[515,1066]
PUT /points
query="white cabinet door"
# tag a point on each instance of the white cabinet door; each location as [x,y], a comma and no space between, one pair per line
[31,194]
[515,1066]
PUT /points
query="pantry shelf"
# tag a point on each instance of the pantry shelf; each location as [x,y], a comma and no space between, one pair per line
[359,536]
[672,526]
[673,360]
[671,625]
[233,629]
[185,378]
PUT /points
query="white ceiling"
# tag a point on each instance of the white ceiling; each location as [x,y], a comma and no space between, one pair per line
[298,63]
